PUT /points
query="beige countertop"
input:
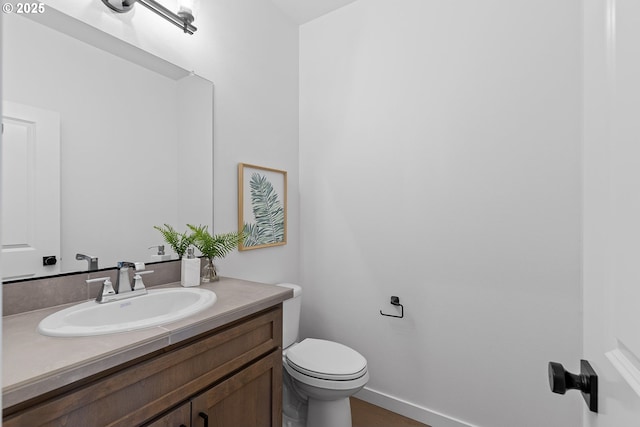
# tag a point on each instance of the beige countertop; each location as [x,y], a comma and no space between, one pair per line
[33,364]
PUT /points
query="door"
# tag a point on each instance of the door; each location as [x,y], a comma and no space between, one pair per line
[30,190]
[611,257]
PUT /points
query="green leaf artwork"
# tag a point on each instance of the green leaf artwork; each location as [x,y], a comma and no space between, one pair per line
[268,212]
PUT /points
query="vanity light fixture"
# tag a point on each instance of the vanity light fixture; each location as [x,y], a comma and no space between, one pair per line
[182,19]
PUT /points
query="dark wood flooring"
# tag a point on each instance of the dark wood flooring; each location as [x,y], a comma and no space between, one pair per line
[364,414]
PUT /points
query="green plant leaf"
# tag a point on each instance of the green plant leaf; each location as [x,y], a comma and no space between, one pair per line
[217,246]
[268,212]
[179,242]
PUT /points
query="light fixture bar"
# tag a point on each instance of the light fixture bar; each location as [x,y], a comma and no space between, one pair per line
[160,10]
[182,22]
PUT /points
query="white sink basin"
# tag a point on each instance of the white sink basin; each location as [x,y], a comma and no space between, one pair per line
[157,307]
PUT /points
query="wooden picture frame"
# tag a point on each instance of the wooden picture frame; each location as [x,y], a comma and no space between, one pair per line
[262,206]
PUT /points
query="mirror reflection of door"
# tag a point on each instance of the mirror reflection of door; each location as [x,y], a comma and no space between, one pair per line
[30,190]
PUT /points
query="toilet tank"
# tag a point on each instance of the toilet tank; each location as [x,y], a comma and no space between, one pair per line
[291,315]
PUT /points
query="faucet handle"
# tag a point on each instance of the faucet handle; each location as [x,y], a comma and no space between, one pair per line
[98,279]
[138,284]
[105,290]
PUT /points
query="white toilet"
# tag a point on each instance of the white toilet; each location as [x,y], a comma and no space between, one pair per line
[319,375]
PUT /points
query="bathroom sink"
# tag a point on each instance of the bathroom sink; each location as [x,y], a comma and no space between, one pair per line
[157,307]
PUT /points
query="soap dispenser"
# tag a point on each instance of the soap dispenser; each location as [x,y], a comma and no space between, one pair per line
[160,256]
[190,271]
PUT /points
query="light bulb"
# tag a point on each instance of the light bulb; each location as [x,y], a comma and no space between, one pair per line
[187,9]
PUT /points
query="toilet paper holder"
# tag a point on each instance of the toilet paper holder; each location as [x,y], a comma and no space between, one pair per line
[395,301]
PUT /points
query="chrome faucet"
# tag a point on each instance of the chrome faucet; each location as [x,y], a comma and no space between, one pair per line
[123,284]
[92,260]
[123,288]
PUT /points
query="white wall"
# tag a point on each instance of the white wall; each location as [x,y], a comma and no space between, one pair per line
[440,162]
[249,49]
[195,152]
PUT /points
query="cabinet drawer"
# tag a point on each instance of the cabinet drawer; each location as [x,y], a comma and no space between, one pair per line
[138,392]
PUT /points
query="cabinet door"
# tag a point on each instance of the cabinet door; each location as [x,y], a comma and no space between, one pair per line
[250,398]
[179,417]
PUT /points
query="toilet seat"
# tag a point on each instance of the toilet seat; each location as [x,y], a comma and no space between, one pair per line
[326,360]
[349,386]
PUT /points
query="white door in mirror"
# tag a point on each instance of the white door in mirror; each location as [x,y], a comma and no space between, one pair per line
[30,191]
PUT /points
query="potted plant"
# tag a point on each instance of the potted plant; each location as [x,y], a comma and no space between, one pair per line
[213,246]
[179,242]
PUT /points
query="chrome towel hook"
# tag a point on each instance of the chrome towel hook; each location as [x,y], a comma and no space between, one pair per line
[395,301]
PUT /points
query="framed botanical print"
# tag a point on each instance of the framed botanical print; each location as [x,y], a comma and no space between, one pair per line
[262,206]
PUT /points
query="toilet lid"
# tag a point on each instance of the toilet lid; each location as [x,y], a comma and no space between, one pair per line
[326,359]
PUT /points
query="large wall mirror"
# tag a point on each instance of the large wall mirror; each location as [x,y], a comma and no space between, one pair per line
[135,148]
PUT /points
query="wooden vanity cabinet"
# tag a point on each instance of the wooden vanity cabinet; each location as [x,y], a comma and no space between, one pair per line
[231,375]
[246,399]
[250,398]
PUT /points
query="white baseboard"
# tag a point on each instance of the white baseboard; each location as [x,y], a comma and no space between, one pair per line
[408,409]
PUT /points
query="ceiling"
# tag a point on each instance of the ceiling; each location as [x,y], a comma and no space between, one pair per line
[302,11]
